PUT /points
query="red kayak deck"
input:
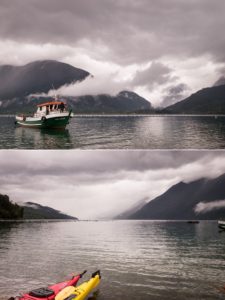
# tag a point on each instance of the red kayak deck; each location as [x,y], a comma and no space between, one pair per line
[49,293]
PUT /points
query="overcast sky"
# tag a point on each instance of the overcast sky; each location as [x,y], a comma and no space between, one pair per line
[100,184]
[164,50]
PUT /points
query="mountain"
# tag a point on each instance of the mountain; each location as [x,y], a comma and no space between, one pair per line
[28,210]
[220,81]
[36,77]
[206,101]
[18,82]
[36,211]
[131,210]
[200,199]
[124,102]
[9,210]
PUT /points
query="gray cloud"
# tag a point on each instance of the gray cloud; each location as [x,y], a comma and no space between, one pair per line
[91,184]
[92,162]
[118,39]
[203,207]
[174,94]
[156,73]
[130,31]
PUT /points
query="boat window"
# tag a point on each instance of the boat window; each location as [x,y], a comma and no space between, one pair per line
[40,108]
[51,106]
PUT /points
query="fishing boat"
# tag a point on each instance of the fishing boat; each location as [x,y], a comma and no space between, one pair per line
[221,224]
[193,221]
[48,115]
[82,291]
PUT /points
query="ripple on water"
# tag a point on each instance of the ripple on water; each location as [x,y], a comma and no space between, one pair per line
[120,132]
[139,260]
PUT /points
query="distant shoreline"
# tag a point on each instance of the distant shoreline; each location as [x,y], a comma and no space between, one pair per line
[110,220]
[135,115]
[35,220]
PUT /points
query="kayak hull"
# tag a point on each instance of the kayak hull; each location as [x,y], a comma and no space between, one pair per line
[82,291]
[54,289]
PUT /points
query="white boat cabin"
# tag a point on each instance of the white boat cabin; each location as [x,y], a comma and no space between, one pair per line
[49,108]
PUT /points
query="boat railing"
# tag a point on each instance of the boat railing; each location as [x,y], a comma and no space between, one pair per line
[51,112]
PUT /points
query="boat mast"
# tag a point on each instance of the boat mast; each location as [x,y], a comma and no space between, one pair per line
[56,98]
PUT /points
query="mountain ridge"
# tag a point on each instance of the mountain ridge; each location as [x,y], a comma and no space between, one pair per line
[18,83]
[33,210]
[179,202]
[210,100]
[29,210]
[37,77]
[83,104]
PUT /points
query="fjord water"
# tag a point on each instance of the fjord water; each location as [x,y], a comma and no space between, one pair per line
[120,132]
[138,259]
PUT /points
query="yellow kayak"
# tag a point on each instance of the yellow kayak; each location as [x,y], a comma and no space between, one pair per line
[82,291]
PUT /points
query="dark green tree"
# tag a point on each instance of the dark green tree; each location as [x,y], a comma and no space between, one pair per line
[9,210]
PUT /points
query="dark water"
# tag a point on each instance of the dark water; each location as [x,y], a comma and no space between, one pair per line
[138,259]
[120,132]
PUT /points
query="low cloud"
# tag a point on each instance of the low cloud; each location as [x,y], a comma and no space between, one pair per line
[174,94]
[156,74]
[204,207]
[96,184]
[93,85]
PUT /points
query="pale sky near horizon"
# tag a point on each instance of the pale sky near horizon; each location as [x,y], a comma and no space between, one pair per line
[164,50]
[100,184]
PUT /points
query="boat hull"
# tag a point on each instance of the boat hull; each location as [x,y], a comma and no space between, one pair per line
[59,121]
[221,224]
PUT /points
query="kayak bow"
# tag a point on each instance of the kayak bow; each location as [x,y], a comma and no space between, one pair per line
[82,291]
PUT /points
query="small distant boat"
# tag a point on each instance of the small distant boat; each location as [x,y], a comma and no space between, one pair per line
[193,222]
[48,115]
[221,224]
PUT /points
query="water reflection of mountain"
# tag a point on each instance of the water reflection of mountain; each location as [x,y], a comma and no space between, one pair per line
[6,230]
[120,132]
[31,138]
[6,226]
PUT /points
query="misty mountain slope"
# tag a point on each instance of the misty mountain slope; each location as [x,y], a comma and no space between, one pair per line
[36,77]
[220,81]
[180,201]
[206,101]
[124,102]
[131,210]
[36,211]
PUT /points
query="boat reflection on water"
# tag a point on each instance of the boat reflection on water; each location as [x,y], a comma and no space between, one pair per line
[94,296]
[46,138]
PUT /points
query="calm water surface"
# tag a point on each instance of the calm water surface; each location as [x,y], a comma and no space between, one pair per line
[120,132]
[138,259]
